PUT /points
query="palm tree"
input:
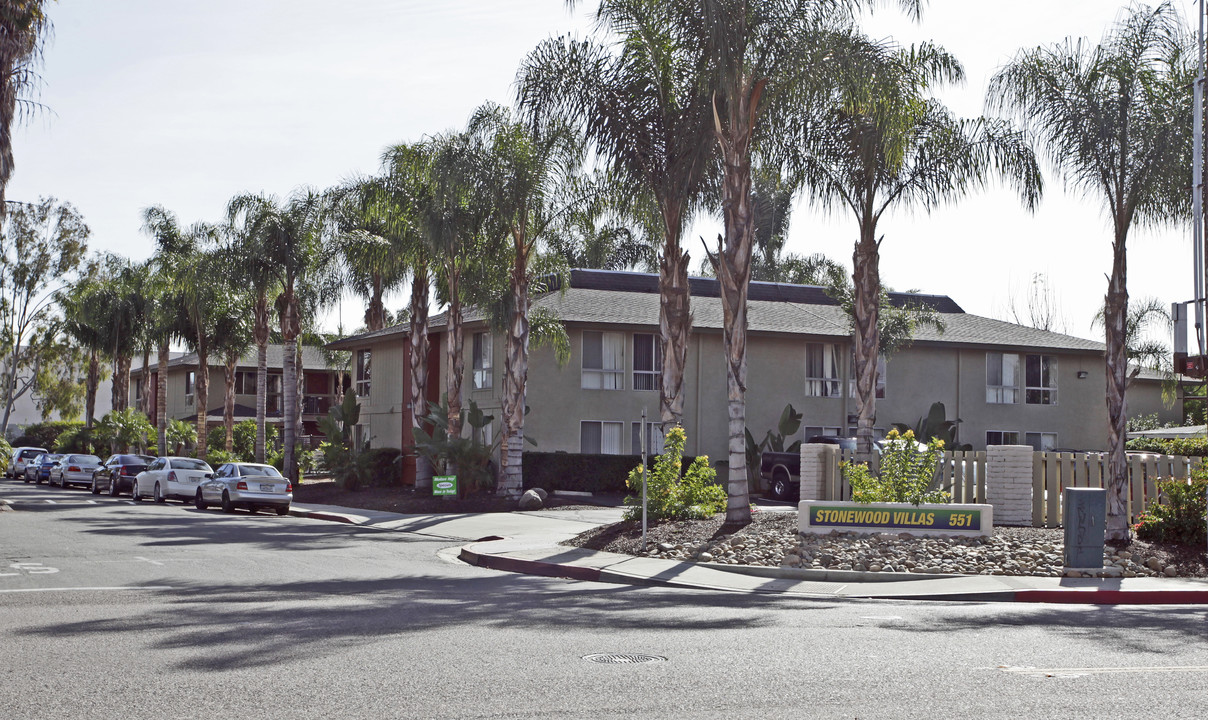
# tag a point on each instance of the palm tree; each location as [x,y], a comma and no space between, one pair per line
[23,28]
[880,144]
[290,241]
[762,57]
[528,173]
[232,338]
[81,307]
[1115,120]
[372,263]
[644,107]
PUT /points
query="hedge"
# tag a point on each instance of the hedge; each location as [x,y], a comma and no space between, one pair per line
[584,473]
[382,466]
[1188,447]
[44,434]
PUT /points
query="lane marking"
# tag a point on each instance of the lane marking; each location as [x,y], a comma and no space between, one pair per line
[153,562]
[51,502]
[89,589]
[1079,672]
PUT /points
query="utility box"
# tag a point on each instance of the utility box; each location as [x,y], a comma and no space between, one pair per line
[1085,522]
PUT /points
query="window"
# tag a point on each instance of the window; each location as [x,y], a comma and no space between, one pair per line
[245,383]
[364,357]
[821,370]
[851,384]
[1002,437]
[1002,378]
[603,360]
[654,438]
[600,438]
[1041,441]
[647,361]
[1040,380]
[483,361]
[138,389]
[190,381]
[360,437]
[272,394]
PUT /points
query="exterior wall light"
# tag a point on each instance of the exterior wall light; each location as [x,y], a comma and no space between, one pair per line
[1082,374]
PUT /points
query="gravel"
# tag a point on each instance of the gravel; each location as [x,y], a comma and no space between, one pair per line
[772,540]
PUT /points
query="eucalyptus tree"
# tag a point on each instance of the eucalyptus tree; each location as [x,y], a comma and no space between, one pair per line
[881,143]
[373,265]
[531,178]
[1114,119]
[82,304]
[24,27]
[289,238]
[41,246]
[191,256]
[761,57]
[641,99]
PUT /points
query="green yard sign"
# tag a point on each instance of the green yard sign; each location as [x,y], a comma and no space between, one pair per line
[444,485]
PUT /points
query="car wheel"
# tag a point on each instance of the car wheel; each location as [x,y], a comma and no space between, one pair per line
[227,505]
[134,492]
[26,478]
[283,509]
[199,503]
[780,485]
[112,487]
[158,495]
[96,490]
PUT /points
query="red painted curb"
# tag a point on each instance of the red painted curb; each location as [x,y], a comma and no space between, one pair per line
[530,567]
[1115,597]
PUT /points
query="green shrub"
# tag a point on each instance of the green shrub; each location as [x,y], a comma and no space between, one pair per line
[126,428]
[383,466]
[179,434]
[1188,447]
[582,472]
[44,434]
[218,456]
[243,438]
[906,473]
[1177,514]
[77,440]
[6,452]
[670,495]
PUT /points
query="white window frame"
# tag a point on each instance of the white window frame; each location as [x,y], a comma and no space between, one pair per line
[1001,392]
[242,380]
[364,372]
[647,379]
[1003,439]
[274,392]
[820,383]
[616,425]
[1041,394]
[654,438]
[1029,438]
[482,348]
[610,375]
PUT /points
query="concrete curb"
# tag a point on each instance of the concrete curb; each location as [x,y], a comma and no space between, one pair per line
[528,567]
[1114,597]
[319,515]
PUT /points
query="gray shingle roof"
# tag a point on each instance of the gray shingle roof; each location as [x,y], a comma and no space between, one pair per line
[312,359]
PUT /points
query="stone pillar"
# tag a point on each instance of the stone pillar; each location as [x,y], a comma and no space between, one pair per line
[1009,483]
[816,460]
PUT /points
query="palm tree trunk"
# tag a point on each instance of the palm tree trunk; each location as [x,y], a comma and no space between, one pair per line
[145,378]
[675,323]
[260,332]
[203,394]
[289,384]
[228,400]
[300,388]
[161,398]
[419,363]
[121,382]
[375,314]
[866,338]
[1115,315]
[90,387]
[457,362]
[515,378]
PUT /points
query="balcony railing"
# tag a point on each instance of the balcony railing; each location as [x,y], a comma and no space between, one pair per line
[316,404]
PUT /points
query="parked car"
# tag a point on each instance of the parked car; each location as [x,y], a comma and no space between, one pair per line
[782,470]
[248,485]
[74,470]
[38,469]
[171,477]
[21,457]
[116,475]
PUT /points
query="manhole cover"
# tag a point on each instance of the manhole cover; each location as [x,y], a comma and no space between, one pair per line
[622,658]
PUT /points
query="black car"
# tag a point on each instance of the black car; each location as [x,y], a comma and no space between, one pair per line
[38,469]
[117,474]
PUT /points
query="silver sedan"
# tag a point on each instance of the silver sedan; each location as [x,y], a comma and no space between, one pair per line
[75,470]
[247,485]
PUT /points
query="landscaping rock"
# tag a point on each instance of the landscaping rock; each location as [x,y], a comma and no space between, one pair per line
[530,500]
[540,493]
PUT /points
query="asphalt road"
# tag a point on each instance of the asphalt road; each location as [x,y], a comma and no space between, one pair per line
[115,610]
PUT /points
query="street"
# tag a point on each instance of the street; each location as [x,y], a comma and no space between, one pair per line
[110,609]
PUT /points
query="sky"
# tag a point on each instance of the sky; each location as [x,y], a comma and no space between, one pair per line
[187,104]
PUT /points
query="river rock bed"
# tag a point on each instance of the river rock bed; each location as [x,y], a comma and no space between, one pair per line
[772,540]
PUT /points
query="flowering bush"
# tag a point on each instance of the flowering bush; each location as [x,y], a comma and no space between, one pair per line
[907,470]
[1177,514]
[670,496]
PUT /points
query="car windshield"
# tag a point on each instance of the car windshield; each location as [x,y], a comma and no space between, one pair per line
[189,464]
[85,459]
[133,459]
[264,470]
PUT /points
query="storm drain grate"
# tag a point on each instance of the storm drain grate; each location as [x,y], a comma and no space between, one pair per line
[622,658]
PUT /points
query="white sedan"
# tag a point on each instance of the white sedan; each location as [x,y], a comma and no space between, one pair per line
[75,470]
[171,477]
[248,485]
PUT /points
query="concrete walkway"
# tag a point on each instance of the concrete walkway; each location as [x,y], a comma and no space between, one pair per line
[529,542]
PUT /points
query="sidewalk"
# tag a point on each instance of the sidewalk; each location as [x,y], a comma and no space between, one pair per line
[528,542]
